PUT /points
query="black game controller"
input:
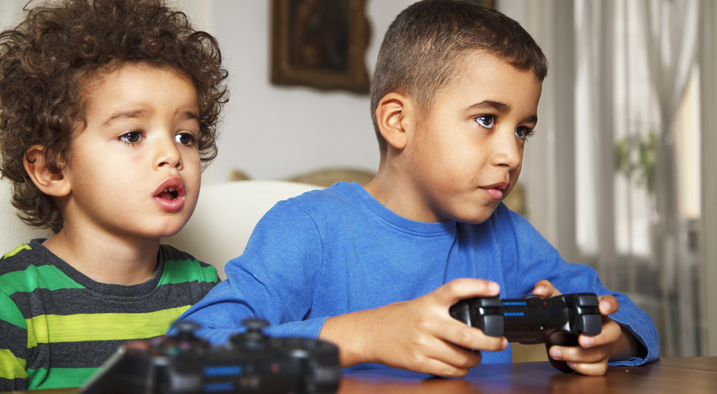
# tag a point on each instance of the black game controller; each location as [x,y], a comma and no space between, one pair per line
[250,363]
[553,321]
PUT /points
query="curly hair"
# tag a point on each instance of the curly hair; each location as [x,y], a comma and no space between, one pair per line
[46,61]
[423,47]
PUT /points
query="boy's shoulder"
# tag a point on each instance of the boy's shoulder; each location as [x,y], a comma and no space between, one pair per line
[24,256]
[325,200]
[30,267]
[179,264]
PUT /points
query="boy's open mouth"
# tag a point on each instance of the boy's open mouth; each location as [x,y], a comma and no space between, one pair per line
[169,193]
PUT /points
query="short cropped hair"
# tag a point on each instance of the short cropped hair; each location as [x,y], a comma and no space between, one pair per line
[425,44]
[47,61]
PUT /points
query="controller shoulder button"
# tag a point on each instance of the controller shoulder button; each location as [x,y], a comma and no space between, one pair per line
[492,325]
[487,302]
[584,300]
[590,324]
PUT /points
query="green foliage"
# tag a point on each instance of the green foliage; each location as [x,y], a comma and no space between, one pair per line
[635,158]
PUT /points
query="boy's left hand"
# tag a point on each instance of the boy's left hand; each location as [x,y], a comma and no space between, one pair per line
[594,352]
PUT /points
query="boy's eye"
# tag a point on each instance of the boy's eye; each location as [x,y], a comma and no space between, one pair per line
[131,137]
[185,139]
[487,121]
[523,132]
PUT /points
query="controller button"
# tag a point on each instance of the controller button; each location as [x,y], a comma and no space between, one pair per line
[490,302]
[492,325]
[590,324]
[587,300]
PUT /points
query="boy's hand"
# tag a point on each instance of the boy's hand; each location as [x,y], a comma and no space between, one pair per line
[591,357]
[418,335]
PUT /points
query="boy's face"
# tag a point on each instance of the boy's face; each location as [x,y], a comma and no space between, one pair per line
[466,155]
[135,169]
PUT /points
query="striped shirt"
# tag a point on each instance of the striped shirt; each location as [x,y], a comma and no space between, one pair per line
[57,326]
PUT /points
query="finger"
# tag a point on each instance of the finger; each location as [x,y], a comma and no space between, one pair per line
[590,369]
[446,360]
[608,305]
[468,337]
[577,354]
[610,333]
[457,356]
[458,289]
[545,289]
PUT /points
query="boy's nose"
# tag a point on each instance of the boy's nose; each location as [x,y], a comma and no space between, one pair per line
[167,154]
[507,151]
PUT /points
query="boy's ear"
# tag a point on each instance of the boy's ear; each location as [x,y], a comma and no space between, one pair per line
[52,184]
[394,115]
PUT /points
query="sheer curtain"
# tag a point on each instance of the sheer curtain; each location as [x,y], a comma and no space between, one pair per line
[612,176]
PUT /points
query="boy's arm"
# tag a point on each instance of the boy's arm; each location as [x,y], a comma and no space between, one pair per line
[418,335]
[13,346]
[536,260]
[273,279]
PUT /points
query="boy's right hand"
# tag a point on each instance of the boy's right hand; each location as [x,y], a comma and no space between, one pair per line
[418,335]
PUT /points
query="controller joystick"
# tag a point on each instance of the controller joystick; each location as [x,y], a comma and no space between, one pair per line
[251,362]
[253,339]
[555,321]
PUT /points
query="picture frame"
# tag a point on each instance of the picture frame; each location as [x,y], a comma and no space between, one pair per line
[320,44]
[484,3]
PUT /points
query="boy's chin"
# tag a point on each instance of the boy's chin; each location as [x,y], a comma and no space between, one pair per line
[476,218]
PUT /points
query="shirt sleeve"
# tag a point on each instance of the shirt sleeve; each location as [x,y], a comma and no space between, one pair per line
[532,259]
[13,346]
[273,280]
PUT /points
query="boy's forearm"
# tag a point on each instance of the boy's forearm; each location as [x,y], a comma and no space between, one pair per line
[627,347]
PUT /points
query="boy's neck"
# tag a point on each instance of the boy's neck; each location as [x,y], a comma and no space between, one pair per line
[390,191]
[109,260]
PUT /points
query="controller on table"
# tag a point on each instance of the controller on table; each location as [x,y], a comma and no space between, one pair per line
[250,363]
[554,321]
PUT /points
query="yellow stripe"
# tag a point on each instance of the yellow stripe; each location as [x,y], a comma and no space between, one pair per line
[100,326]
[10,366]
[17,250]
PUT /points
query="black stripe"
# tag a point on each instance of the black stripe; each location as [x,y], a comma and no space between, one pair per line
[19,262]
[12,384]
[90,354]
[82,354]
[74,301]
[14,337]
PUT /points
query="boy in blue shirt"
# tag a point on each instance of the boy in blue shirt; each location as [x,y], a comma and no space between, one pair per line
[108,110]
[375,269]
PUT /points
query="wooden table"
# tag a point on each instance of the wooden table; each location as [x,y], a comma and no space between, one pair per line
[694,375]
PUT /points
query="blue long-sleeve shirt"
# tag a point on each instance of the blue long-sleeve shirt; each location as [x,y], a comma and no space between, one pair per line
[338,250]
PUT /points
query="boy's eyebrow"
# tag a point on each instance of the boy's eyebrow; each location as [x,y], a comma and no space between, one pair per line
[496,105]
[500,107]
[141,112]
[125,114]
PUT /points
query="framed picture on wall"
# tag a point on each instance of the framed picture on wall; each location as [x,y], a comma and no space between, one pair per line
[320,43]
[484,3]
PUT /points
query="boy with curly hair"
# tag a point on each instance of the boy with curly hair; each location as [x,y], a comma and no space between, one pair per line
[375,269]
[108,112]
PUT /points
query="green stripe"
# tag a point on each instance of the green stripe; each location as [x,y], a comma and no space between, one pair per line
[58,377]
[10,366]
[185,271]
[101,326]
[44,276]
[7,305]
[17,250]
